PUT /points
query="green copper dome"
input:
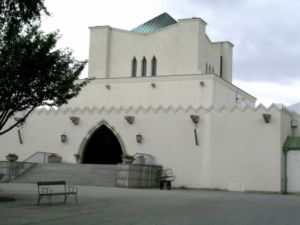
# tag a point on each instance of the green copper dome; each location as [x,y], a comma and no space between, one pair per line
[163,20]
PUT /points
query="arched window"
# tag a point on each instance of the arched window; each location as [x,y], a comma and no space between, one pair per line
[153,66]
[133,67]
[144,67]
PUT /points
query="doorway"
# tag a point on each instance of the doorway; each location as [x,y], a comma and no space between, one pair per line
[103,147]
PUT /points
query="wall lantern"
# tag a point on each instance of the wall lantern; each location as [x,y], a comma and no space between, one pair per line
[63,138]
[75,119]
[19,119]
[202,83]
[107,86]
[139,138]
[153,85]
[267,117]
[129,119]
[294,123]
[195,119]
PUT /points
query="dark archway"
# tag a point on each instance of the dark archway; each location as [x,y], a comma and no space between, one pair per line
[103,147]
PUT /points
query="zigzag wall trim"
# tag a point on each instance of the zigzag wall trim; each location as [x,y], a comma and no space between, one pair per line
[157,109]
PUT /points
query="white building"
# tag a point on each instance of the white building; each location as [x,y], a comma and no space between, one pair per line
[176,86]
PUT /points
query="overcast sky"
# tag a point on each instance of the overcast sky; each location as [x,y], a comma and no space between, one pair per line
[265,34]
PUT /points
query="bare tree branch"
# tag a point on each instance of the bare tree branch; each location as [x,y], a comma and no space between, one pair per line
[2,118]
[18,122]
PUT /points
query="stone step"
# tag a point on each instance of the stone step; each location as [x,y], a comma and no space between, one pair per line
[79,174]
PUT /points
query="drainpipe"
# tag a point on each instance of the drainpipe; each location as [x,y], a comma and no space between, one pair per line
[285,151]
[294,125]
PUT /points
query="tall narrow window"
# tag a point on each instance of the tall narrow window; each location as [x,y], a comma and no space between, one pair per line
[209,69]
[133,67]
[221,66]
[144,67]
[153,66]
[206,69]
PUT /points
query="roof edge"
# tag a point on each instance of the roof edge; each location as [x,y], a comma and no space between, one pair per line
[154,24]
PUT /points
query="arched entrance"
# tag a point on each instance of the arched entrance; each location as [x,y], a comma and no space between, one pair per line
[103,147]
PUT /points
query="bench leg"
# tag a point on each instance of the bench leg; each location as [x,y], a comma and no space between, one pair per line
[50,198]
[65,199]
[39,199]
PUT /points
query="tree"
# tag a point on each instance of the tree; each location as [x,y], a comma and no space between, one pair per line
[33,72]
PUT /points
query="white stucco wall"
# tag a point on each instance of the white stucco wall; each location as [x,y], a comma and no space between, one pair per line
[99,48]
[182,48]
[249,156]
[225,94]
[168,136]
[184,90]
[293,174]
[237,150]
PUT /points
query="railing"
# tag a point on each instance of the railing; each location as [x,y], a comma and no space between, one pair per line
[11,170]
[38,157]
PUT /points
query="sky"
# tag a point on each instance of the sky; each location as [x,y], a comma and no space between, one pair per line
[265,34]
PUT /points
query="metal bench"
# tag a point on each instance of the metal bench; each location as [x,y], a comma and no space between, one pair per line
[50,188]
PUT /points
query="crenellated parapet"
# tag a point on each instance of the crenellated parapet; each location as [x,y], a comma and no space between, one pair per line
[156,109]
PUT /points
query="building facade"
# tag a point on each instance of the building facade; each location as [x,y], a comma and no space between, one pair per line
[168,84]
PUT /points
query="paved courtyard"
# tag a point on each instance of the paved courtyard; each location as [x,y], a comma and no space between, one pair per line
[101,205]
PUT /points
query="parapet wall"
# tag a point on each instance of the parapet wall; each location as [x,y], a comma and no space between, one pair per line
[152,109]
[229,148]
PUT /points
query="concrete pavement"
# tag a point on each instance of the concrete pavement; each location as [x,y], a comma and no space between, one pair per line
[117,206]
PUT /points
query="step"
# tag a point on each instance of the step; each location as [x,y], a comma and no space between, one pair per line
[79,174]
